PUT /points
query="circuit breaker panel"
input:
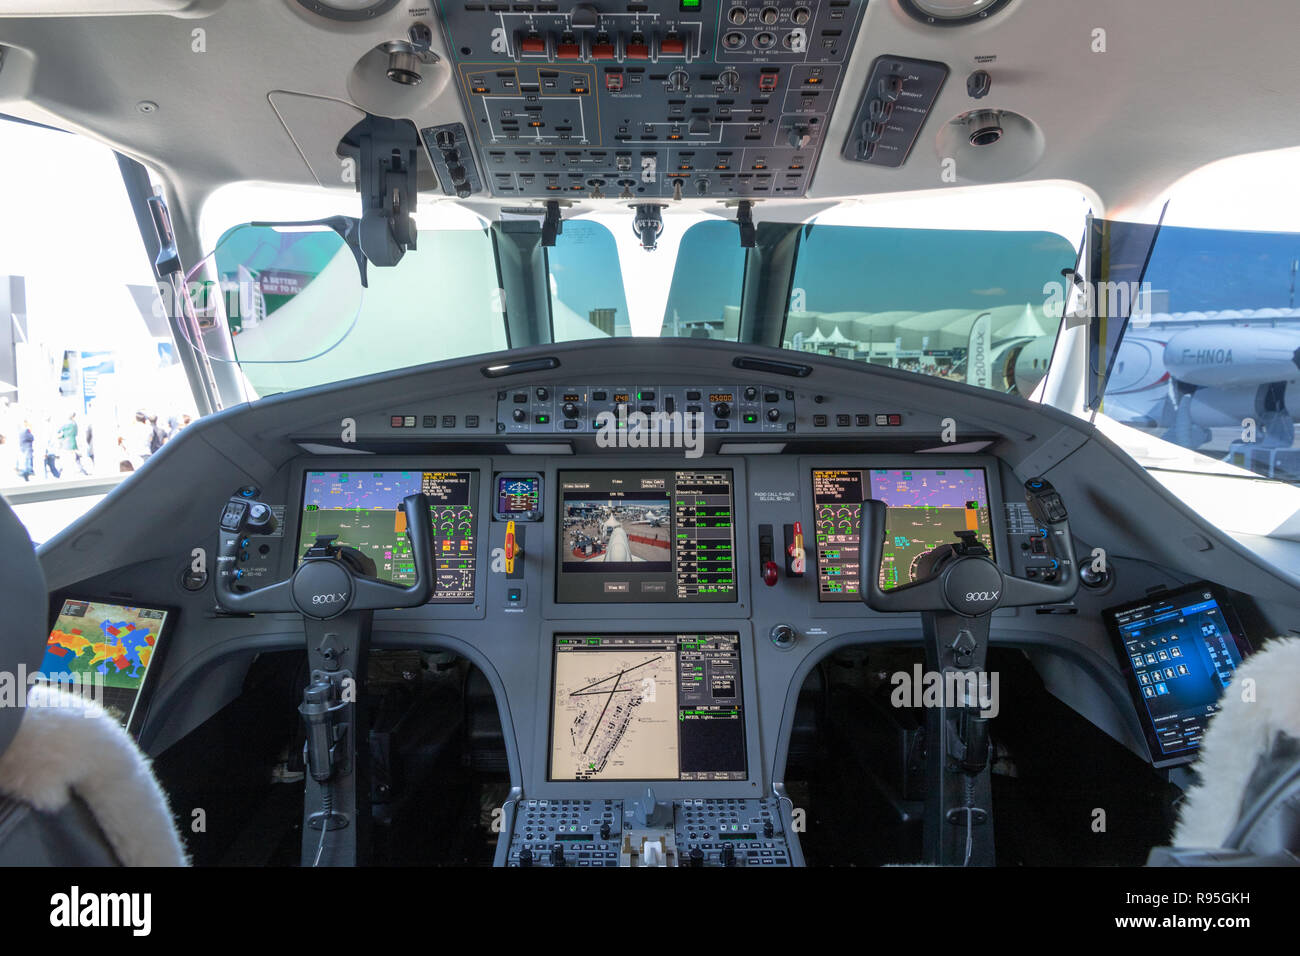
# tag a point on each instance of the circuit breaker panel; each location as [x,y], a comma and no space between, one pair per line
[654,100]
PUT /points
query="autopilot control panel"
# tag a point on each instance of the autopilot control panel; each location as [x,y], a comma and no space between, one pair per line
[657,99]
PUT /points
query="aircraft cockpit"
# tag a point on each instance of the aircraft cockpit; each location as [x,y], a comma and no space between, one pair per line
[776,434]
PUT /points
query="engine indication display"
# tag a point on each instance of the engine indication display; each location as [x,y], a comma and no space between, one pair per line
[646,536]
[364,510]
[925,506]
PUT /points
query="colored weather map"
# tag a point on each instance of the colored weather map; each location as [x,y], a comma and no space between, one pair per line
[102,643]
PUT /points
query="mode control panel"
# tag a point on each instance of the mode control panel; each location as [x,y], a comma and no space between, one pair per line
[897,99]
[604,833]
[658,99]
[708,409]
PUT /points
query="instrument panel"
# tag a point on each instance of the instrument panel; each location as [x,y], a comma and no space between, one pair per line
[648,100]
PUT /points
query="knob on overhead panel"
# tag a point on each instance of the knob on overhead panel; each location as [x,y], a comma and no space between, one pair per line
[729,80]
[679,81]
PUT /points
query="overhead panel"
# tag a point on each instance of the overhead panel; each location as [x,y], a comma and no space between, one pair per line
[655,100]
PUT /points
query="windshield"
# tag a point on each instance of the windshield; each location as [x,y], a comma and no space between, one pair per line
[970,305]
[959,304]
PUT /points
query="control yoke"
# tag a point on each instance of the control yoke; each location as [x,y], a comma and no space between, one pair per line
[962,577]
[958,589]
[331,579]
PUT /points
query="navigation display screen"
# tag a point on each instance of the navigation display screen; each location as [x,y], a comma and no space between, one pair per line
[925,507]
[646,536]
[103,651]
[364,509]
[647,707]
[1182,648]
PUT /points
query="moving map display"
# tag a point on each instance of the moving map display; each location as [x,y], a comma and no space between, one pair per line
[925,507]
[103,649]
[647,707]
[364,509]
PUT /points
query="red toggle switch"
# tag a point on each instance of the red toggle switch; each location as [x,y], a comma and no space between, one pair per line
[770,571]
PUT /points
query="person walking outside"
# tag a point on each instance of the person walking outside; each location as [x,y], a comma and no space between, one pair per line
[26,451]
[68,441]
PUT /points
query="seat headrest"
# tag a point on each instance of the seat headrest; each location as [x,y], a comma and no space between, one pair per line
[24,620]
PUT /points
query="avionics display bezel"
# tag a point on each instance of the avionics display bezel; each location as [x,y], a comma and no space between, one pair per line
[867,469]
[736,776]
[139,710]
[567,591]
[501,514]
[1111,618]
[473,500]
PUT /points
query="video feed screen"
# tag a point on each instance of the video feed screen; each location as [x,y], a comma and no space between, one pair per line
[647,707]
[364,509]
[103,651]
[1182,650]
[925,507]
[646,536]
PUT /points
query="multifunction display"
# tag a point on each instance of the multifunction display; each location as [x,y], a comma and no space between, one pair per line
[646,536]
[364,510]
[647,707]
[926,506]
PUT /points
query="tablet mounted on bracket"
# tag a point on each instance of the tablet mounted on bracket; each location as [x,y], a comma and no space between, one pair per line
[1180,650]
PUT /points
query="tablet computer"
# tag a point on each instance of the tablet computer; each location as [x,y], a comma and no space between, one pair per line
[108,652]
[1179,651]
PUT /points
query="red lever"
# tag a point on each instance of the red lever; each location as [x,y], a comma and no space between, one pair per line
[769,573]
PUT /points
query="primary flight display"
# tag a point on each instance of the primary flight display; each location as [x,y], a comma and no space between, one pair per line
[926,506]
